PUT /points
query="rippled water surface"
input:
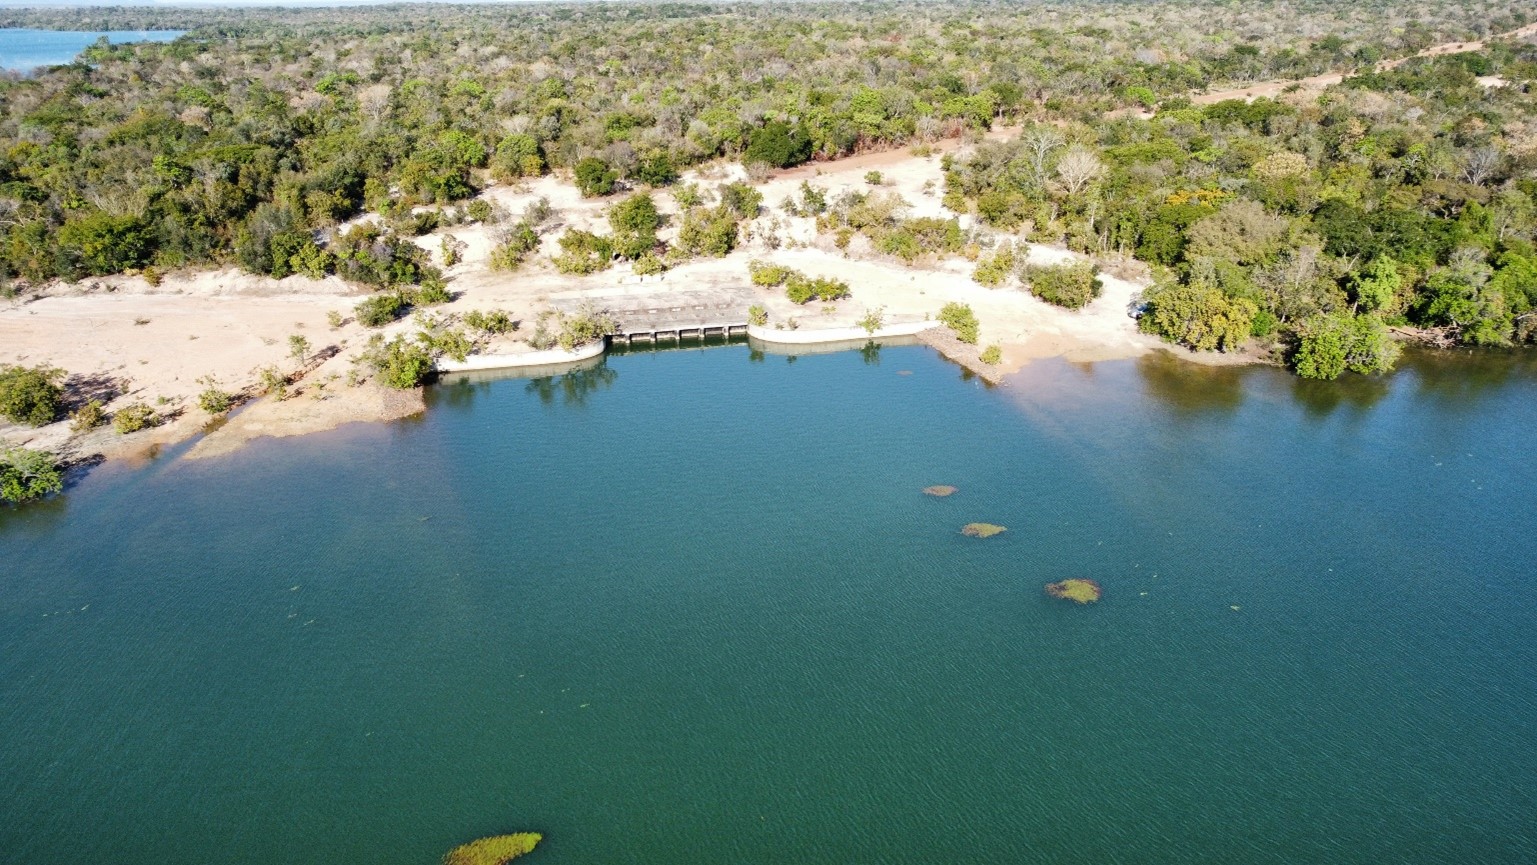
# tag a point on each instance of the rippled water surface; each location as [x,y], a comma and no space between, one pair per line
[691,607]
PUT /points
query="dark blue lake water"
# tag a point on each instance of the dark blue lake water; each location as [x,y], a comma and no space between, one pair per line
[23,50]
[691,607]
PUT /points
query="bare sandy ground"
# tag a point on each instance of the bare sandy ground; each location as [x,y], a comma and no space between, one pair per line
[128,341]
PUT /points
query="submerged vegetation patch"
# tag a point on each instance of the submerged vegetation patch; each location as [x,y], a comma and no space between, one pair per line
[495,850]
[940,490]
[981,530]
[1077,590]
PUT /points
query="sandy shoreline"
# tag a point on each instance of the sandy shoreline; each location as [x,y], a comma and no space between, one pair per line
[125,341]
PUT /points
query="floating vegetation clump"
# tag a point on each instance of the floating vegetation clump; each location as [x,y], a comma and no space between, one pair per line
[496,850]
[940,490]
[1078,591]
[981,530]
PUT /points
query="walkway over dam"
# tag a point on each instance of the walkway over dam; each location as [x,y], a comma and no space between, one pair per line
[652,313]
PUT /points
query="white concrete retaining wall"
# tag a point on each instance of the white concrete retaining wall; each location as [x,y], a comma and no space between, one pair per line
[810,336]
[528,358]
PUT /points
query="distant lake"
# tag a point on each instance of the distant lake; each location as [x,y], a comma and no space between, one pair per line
[23,50]
[692,607]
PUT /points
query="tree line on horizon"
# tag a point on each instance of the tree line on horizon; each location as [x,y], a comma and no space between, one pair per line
[250,138]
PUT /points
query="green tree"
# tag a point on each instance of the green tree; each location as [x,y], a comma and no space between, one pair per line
[1330,344]
[595,178]
[30,395]
[1068,285]
[1376,286]
[778,144]
[635,221]
[298,347]
[656,170]
[101,244]
[27,474]
[1199,317]
[517,156]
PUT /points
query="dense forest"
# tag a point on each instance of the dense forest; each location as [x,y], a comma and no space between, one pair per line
[1400,197]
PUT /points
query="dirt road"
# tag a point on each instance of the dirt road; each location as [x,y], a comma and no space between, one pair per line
[1272,89]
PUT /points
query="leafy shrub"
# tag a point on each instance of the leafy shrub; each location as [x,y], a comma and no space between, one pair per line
[495,321]
[452,250]
[132,418]
[213,399]
[993,354]
[432,292]
[740,198]
[813,199]
[368,254]
[99,244]
[911,239]
[514,246]
[1068,285]
[993,270]
[30,395]
[757,316]
[635,221]
[648,264]
[28,474]
[960,319]
[450,342]
[801,288]
[379,310]
[274,383]
[711,231]
[872,321]
[583,252]
[767,275]
[88,417]
[298,347]
[584,327]
[478,210]
[398,363]
[874,178]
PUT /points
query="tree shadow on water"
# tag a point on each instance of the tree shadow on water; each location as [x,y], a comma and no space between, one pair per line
[572,387]
[1462,376]
[1319,399]
[1190,388]
[457,393]
[871,353]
